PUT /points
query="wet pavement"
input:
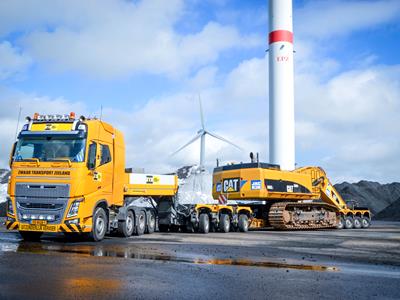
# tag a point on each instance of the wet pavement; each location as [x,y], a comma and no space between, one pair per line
[329,264]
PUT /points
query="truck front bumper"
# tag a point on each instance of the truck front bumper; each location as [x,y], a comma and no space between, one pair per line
[66,227]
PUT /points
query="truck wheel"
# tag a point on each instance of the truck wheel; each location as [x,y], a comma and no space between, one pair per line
[204,223]
[163,227]
[243,223]
[357,223]
[365,222]
[125,228]
[151,223]
[340,223]
[348,222]
[141,223]
[99,227]
[224,223]
[31,235]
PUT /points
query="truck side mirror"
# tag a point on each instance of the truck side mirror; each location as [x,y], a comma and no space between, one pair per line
[91,162]
[10,161]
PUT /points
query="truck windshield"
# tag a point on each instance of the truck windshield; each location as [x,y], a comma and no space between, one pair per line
[50,148]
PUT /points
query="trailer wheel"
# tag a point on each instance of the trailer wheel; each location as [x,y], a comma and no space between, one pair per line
[340,223]
[31,235]
[224,223]
[243,223]
[163,228]
[357,222]
[151,223]
[365,222]
[141,223]
[126,227]
[348,222]
[99,227]
[204,223]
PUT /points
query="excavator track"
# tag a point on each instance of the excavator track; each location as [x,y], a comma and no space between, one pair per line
[301,216]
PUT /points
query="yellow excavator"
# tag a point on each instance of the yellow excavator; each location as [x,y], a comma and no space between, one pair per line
[300,199]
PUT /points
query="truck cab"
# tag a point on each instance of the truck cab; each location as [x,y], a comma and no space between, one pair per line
[63,169]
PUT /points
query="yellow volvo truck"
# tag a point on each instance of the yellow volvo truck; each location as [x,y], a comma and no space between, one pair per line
[68,175]
[300,199]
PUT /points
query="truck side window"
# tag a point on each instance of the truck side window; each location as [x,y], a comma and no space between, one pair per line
[91,163]
[105,154]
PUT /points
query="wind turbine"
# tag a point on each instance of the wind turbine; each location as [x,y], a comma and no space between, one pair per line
[201,134]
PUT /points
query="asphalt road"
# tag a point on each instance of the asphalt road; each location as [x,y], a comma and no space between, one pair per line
[328,264]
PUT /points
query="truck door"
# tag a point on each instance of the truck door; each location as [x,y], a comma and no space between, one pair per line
[105,170]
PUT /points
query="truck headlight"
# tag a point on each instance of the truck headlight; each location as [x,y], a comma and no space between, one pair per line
[74,208]
[10,208]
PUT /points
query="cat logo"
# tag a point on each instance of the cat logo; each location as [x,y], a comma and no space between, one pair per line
[49,127]
[149,179]
[231,185]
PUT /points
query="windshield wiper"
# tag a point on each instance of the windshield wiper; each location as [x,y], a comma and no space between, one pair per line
[31,160]
[67,160]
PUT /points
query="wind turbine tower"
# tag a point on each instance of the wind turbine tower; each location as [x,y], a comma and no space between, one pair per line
[281,85]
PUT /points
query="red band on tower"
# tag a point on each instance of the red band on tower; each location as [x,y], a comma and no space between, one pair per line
[280,36]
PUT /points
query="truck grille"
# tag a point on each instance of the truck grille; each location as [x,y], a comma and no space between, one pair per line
[42,199]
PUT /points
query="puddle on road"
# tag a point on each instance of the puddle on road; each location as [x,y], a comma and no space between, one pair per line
[145,254]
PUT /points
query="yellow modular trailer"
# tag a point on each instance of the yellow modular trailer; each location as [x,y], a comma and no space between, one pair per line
[68,175]
[300,199]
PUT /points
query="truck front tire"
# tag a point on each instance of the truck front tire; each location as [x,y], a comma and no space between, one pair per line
[224,223]
[126,227]
[357,223]
[31,235]
[100,224]
[243,223]
[204,223]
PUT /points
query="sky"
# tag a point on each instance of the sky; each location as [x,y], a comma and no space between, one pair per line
[144,64]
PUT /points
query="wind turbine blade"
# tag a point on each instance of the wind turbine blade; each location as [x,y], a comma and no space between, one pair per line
[201,113]
[187,144]
[224,140]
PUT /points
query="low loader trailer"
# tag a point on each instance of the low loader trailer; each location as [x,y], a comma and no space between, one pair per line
[68,175]
[202,218]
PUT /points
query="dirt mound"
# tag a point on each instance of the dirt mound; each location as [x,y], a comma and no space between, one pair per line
[373,195]
[390,213]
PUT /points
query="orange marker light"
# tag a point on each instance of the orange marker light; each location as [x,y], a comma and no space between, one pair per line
[72,115]
[35,116]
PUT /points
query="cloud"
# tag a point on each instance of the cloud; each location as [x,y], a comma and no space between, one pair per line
[324,19]
[110,39]
[13,63]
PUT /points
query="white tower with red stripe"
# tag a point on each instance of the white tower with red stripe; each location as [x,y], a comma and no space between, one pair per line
[281,85]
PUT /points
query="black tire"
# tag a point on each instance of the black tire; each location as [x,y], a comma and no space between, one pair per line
[224,223]
[127,226]
[204,223]
[340,223]
[357,222]
[99,226]
[163,228]
[141,223]
[32,236]
[348,222]
[174,228]
[151,222]
[365,222]
[243,223]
